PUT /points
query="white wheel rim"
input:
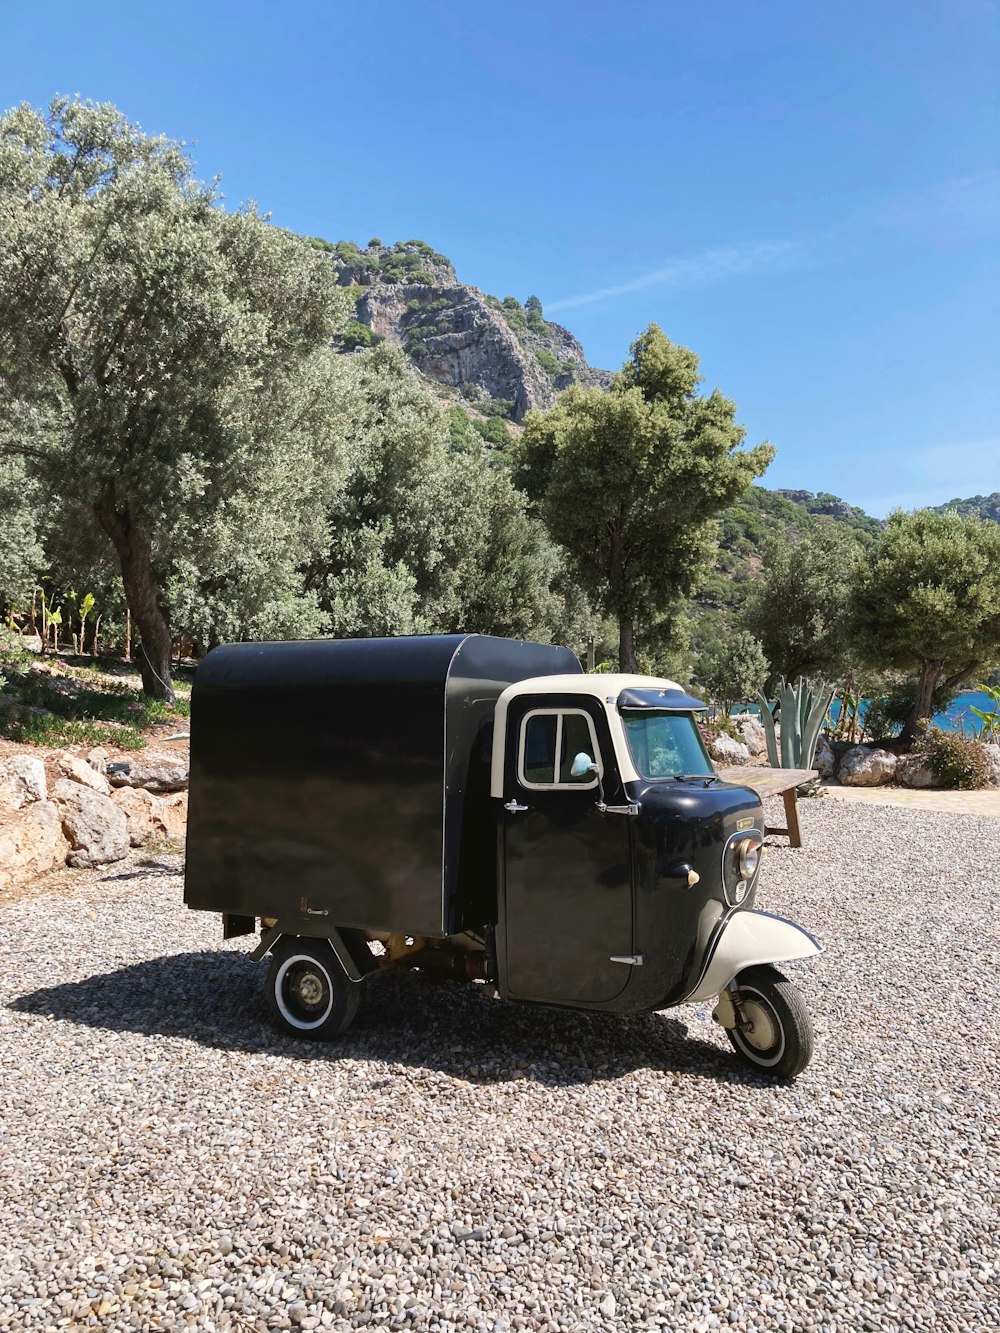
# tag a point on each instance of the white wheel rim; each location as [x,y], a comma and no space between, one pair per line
[767,1034]
[304,1025]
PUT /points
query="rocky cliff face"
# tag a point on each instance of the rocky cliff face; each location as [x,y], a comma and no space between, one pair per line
[497,354]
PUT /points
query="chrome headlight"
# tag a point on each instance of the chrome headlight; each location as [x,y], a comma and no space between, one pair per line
[748,852]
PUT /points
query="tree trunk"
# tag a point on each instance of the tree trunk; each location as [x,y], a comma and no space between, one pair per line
[923,701]
[149,615]
[626,646]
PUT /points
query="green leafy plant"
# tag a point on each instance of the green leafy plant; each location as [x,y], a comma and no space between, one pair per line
[803,708]
[956,761]
[990,729]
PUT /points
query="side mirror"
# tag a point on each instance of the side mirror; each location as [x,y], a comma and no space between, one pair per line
[582,765]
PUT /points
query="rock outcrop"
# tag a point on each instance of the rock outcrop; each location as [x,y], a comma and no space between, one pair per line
[862,766]
[95,828]
[32,843]
[154,772]
[494,352]
[727,751]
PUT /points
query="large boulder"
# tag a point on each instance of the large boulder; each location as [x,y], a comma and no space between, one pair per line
[865,767]
[151,818]
[825,762]
[728,752]
[32,843]
[753,735]
[22,782]
[78,770]
[992,753]
[96,829]
[154,772]
[911,771]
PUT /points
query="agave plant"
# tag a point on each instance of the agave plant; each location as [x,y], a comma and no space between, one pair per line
[803,708]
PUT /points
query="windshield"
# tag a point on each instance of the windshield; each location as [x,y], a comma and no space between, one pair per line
[665,745]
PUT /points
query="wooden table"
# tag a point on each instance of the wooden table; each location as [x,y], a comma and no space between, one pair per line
[774,782]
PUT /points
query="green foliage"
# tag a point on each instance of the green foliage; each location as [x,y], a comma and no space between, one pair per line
[926,601]
[811,581]
[548,362]
[374,243]
[735,673]
[424,536]
[355,334]
[21,555]
[533,305]
[978,506]
[493,431]
[176,359]
[989,728]
[628,482]
[513,313]
[957,762]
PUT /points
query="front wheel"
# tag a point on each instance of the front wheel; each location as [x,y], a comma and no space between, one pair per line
[777,1036]
[308,991]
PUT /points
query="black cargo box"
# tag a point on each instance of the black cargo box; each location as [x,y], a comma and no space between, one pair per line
[347,780]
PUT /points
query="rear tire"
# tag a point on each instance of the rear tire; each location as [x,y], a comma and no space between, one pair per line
[308,992]
[781,1040]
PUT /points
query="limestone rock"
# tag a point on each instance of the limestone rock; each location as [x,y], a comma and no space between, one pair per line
[22,782]
[151,818]
[96,829]
[754,737]
[728,752]
[32,843]
[155,772]
[992,752]
[911,771]
[864,767]
[98,758]
[825,762]
[78,770]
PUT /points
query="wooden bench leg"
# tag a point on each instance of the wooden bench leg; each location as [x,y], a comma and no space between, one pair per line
[792,818]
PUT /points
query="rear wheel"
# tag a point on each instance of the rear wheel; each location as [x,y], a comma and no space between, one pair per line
[308,992]
[777,1037]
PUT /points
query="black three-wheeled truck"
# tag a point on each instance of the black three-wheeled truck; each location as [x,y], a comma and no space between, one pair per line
[481,809]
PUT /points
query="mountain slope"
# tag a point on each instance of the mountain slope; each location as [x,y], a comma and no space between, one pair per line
[502,357]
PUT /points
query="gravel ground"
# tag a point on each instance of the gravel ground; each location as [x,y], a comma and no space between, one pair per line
[168,1162]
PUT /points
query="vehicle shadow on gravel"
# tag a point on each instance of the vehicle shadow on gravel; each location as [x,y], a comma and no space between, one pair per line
[216,999]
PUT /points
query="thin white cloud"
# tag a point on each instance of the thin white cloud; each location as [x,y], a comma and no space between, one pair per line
[698,270]
[959,202]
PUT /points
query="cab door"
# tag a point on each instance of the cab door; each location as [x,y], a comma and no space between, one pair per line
[567,906]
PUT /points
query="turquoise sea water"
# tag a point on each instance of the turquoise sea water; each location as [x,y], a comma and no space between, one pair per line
[958,712]
[956,715]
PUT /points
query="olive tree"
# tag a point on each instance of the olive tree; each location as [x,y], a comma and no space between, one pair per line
[629,481]
[798,607]
[423,537]
[926,600]
[178,352]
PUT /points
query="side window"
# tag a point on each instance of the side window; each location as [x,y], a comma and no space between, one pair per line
[550,741]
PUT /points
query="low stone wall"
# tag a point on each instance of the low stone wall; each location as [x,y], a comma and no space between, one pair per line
[94,811]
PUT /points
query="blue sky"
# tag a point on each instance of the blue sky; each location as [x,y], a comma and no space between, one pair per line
[808,196]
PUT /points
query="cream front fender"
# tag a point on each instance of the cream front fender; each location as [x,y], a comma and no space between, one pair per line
[745,939]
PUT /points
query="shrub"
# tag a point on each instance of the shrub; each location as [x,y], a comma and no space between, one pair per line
[375,241]
[955,761]
[547,361]
[356,334]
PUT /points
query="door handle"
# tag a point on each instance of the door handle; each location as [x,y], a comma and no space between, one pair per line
[630,959]
[514,808]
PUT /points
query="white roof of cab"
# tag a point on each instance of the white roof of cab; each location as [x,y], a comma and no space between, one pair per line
[599,686]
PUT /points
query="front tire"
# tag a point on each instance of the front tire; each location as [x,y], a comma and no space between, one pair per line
[779,1039]
[308,991]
